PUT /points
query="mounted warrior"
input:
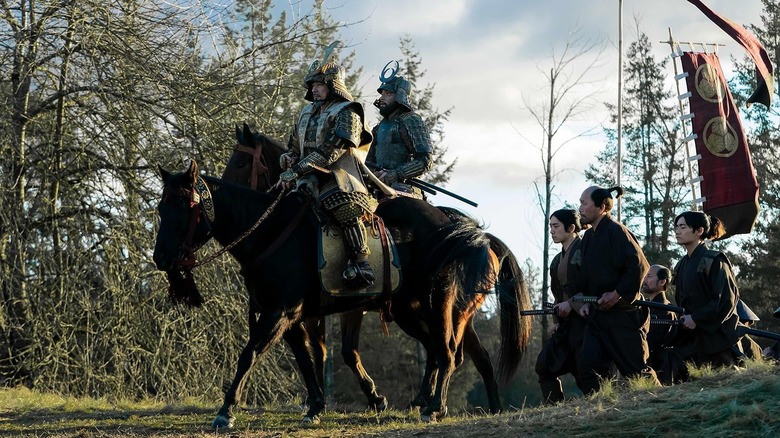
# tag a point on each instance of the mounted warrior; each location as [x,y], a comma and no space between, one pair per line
[401,148]
[323,150]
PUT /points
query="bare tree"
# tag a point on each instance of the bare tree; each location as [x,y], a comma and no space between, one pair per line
[571,94]
[96,95]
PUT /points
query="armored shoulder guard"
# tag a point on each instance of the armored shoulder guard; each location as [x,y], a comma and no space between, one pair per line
[416,133]
[349,125]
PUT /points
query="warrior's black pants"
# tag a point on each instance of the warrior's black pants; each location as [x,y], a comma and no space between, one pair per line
[559,356]
[619,337]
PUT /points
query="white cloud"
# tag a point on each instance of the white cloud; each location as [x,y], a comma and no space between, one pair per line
[485,57]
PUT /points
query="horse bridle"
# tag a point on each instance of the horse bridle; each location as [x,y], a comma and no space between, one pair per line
[259,167]
[201,206]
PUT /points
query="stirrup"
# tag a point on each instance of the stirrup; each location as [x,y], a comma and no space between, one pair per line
[358,274]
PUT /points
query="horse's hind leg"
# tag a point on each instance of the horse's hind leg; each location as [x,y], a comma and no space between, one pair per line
[481,358]
[263,333]
[443,341]
[411,322]
[350,339]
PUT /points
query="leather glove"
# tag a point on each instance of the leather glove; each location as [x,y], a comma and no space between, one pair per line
[286,160]
[390,177]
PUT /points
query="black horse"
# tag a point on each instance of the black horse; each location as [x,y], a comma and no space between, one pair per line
[440,260]
[253,163]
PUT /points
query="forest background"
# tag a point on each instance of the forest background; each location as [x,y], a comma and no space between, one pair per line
[98,94]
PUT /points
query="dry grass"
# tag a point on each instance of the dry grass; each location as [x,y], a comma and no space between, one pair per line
[716,404]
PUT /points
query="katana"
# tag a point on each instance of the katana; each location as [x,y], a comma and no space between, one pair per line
[664,321]
[643,303]
[532,312]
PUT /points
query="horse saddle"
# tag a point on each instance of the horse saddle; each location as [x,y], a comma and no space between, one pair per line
[383,259]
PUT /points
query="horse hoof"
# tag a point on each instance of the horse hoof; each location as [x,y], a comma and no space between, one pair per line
[310,421]
[418,403]
[380,404]
[222,422]
[430,415]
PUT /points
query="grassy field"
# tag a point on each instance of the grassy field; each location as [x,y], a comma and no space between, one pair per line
[744,403]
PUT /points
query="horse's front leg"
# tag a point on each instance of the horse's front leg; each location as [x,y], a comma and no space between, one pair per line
[263,333]
[350,339]
[297,338]
[315,328]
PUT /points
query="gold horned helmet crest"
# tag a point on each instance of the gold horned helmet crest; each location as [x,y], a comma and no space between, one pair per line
[328,72]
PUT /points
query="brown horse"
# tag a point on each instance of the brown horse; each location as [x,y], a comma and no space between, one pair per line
[444,262]
[244,168]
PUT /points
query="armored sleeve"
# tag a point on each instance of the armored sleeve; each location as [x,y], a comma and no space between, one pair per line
[311,162]
[371,156]
[415,136]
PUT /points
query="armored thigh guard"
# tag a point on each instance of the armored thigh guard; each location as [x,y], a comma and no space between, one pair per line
[349,209]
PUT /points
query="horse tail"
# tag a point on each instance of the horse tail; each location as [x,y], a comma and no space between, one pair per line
[513,296]
[461,256]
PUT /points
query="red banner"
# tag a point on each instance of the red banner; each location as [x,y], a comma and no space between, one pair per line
[729,181]
[765,79]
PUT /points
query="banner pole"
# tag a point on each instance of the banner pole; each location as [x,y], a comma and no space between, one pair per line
[620,104]
[672,44]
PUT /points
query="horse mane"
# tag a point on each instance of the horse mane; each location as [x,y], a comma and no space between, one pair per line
[456,215]
[247,205]
[461,246]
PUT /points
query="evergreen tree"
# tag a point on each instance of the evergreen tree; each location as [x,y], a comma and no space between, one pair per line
[757,264]
[653,158]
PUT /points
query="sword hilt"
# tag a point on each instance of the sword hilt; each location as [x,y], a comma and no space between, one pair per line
[533,312]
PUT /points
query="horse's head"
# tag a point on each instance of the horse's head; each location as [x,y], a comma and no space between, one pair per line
[255,160]
[186,212]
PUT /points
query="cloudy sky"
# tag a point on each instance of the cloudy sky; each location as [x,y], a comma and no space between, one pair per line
[486,58]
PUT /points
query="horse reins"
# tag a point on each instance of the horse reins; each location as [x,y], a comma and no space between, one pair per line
[246,233]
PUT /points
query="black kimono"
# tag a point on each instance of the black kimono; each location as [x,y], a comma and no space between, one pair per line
[660,335]
[613,260]
[706,288]
[660,342]
[559,354]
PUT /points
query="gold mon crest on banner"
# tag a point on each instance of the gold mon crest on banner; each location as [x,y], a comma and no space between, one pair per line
[719,136]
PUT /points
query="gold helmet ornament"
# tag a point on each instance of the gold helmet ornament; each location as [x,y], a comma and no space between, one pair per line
[328,72]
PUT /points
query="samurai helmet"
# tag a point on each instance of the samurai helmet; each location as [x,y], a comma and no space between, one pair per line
[328,72]
[395,84]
